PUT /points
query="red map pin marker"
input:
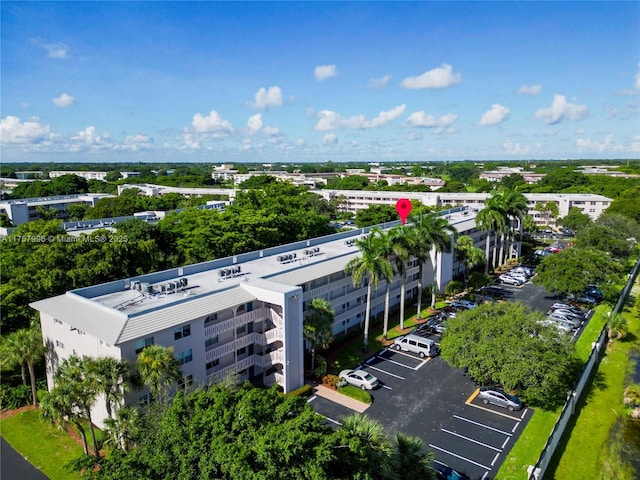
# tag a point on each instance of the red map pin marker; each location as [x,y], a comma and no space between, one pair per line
[403,207]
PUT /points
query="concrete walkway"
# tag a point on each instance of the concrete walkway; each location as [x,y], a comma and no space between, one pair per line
[330,394]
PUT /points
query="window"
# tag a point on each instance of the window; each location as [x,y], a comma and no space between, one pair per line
[211,341]
[59,344]
[241,329]
[140,344]
[184,357]
[250,307]
[59,322]
[241,308]
[181,332]
[213,363]
[210,319]
[242,351]
[104,344]
[592,210]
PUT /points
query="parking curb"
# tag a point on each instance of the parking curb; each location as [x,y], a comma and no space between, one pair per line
[339,398]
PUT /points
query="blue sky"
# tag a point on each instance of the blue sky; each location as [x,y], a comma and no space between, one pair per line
[313,81]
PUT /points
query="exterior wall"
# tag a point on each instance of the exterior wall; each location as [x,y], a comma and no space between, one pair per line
[87,175]
[26,210]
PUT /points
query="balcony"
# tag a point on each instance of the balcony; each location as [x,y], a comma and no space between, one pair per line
[270,359]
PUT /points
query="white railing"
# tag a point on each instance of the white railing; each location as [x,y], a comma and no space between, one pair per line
[219,328]
[276,318]
[221,351]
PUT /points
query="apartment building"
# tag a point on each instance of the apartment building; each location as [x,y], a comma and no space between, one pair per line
[242,314]
[354,200]
[86,175]
[28,209]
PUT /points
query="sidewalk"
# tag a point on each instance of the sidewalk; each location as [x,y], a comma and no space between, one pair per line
[330,394]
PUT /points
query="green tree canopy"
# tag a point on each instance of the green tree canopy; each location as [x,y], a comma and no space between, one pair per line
[375,215]
[572,269]
[505,343]
[575,219]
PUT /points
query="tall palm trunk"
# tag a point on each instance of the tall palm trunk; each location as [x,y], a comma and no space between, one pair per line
[83,436]
[403,281]
[502,242]
[486,253]
[419,312]
[385,326]
[93,433]
[34,389]
[23,373]
[434,287]
[367,317]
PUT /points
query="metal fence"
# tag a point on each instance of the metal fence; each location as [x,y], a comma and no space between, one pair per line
[568,410]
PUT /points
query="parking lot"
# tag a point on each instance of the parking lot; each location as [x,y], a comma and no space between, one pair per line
[429,399]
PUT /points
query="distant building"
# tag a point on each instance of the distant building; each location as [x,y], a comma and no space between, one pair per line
[502,172]
[29,174]
[26,209]
[86,175]
[129,174]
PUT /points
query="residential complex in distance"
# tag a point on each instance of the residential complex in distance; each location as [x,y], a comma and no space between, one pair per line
[241,314]
[26,209]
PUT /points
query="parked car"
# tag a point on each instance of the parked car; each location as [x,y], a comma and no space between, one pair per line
[594,292]
[561,326]
[445,472]
[585,299]
[466,304]
[509,280]
[359,378]
[434,325]
[416,344]
[568,313]
[574,322]
[529,272]
[519,276]
[496,396]
[566,306]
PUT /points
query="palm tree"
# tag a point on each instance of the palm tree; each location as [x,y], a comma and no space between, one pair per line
[410,459]
[158,368]
[393,247]
[491,219]
[317,326]
[123,430]
[432,231]
[78,390]
[59,407]
[369,267]
[402,240]
[617,326]
[468,254]
[367,440]
[515,207]
[112,378]
[25,347]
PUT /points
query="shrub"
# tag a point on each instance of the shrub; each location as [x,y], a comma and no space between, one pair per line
[330,380]
[321,367]
[478,280]
[14,397]
[453,288]
[303,391]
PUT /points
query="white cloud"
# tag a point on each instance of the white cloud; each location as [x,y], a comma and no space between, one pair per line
[271,130]
[324,72]
[422,120]
[212,125]
[516,148]
[329,120]
[496,115]
[265,98]
[300,142]
[413,136]
[441,77]
[254,123]
[54,50]
[379,82]
[135,143]
[64,101]
[330,139]
[561,109]
[587,145]
[529,90]
[13,131]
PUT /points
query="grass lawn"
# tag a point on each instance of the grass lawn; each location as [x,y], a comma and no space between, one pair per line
[581,453]
[527,449]
[355,392]
[45,446]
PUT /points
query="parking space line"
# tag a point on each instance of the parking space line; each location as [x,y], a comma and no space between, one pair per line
[485,475]
[423,363]
[513,430]
[471,440]
[385,372]
[495,458]
[481,407]
[387,387]
[504,444]
[483,425]
[331,420]
[460,457]
[312,399]
[396,363]
[473,395]
[524,413]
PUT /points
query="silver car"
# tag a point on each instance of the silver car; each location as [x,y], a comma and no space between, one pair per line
[495,396]
[359,378]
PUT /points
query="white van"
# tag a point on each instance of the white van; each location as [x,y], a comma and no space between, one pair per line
[413,343]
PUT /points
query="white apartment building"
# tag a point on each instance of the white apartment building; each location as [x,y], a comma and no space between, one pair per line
[87,175]
[25,210]
[354,200]
[242,314]
[151,190]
